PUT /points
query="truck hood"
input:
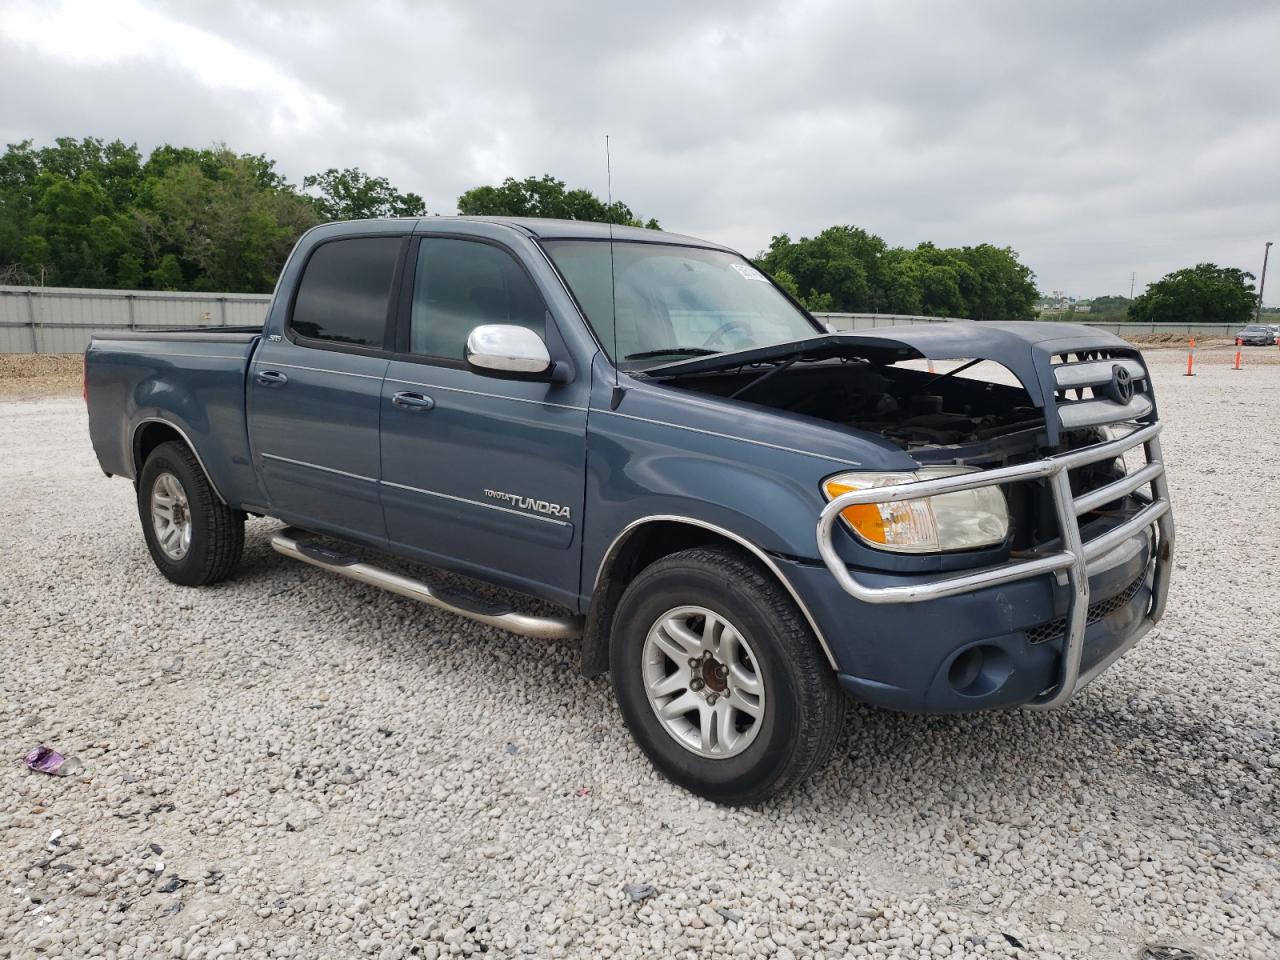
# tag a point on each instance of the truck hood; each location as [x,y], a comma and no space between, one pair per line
[1027,349]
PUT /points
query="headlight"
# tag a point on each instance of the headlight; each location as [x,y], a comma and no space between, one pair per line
[964,520]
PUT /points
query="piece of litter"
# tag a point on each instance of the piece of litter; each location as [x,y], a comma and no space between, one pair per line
[1167,951]
[639,891]
[71,767]
[171,885]
[55,839]
[48,760]
[582,791]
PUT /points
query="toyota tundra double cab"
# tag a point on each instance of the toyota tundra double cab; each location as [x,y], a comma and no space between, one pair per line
[741,516]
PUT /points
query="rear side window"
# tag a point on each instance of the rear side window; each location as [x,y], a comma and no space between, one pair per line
[461,284]
[345,290]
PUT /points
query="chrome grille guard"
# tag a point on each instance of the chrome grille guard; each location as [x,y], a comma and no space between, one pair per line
[1075,556]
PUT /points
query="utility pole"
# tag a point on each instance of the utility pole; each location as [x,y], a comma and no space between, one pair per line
[1262,283]
[1132,276]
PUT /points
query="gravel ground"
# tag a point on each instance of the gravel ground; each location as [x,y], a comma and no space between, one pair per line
[290,764]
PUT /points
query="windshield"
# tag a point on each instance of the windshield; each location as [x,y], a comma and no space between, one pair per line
[675,301]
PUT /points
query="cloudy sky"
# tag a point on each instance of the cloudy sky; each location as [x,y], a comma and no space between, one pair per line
[1097,139]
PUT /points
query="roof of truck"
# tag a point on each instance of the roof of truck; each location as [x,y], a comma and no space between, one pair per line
[541,228]
[548,229]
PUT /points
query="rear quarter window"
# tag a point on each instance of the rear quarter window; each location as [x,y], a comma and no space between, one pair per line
[345,291]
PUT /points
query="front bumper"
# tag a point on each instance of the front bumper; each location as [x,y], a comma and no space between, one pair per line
[1033,631]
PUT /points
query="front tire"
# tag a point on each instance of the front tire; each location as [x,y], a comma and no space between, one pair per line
[194,538]
[720,679]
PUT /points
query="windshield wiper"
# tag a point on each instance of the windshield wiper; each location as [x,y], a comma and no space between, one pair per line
[672,352]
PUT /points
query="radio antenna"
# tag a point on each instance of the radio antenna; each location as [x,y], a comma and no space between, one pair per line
[613,280]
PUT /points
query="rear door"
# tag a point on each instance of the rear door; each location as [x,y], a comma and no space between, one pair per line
[314,394]
[481,474]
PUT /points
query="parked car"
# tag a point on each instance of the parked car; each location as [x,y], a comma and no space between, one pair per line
[1257,335]
[743,516]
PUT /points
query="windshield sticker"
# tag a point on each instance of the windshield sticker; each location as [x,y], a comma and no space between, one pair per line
[748,272]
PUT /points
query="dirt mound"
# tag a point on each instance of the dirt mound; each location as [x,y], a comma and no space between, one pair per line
[39,374]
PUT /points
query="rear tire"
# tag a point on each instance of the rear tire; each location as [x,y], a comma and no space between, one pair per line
[194,538]
[720,678]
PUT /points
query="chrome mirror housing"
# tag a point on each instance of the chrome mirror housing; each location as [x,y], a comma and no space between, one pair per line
[500,349]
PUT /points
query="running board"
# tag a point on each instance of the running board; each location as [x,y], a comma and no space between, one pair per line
[296,544]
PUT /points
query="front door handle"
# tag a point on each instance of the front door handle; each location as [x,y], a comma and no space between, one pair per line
[272,378]
[413,402]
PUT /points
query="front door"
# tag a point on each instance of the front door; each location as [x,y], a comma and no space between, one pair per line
[314,396]
[480,474]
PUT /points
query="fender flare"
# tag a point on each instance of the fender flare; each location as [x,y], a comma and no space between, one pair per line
[769,563]
[137,467]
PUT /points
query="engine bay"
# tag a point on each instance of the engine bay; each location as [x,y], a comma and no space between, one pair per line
[912,408]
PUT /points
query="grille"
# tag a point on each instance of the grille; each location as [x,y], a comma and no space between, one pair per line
[1056,628]
[1086,395]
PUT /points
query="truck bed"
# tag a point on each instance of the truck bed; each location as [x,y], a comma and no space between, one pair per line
[142,387]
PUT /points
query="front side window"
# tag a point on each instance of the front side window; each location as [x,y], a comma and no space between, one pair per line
[345,290]
[462,284]
[673,301]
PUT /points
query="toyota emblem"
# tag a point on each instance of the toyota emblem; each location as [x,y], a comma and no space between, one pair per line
[1121,384]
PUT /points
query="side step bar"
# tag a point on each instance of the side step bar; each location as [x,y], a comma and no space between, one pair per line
[295,543]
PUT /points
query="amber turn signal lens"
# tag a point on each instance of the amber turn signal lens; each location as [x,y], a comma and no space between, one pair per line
[964,519]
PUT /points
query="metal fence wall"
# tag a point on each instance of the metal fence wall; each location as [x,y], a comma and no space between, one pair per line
[868,321]
[62,319]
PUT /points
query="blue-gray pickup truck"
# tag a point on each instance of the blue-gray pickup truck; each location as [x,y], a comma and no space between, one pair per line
[742,515]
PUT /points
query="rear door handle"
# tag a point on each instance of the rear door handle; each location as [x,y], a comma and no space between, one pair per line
[413,402]
[272,378]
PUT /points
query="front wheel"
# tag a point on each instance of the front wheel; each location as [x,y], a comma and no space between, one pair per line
[194,538]
[720,679]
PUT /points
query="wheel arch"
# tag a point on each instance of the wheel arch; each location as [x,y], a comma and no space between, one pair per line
[645,541]
[150,433]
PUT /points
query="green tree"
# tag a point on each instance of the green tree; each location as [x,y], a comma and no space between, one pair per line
[1002,287]
[351,195]
[1109,304]
[860,273]
[813,301]
[1106,309]
[546,196]
[90,213]
[168,274]
[228,231]
[844,262]
[129,272]
[82,236]
[933,282]
[1205,293]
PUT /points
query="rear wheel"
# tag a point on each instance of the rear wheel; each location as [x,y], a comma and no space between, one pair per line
[194,538]
[720,679]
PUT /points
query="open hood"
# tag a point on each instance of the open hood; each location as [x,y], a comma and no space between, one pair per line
[1031,351]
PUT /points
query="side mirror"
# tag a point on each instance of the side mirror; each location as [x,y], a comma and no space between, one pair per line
[506,350]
